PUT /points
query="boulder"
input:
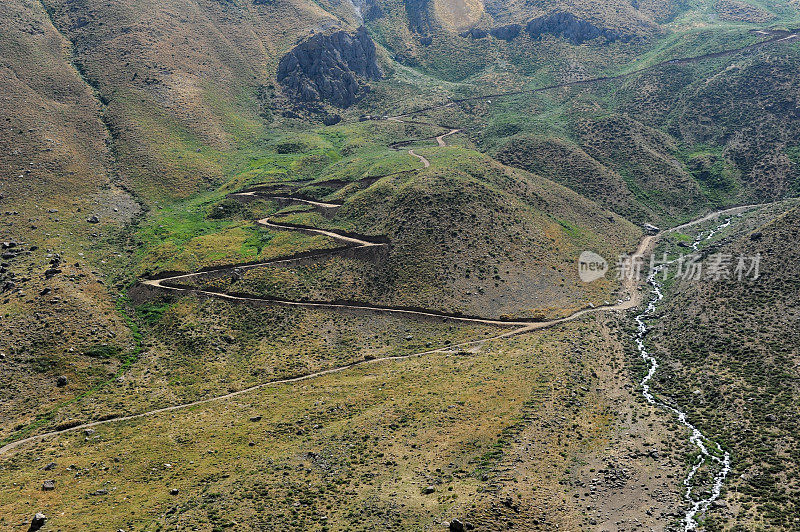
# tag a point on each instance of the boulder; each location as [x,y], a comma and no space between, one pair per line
[37,522]
[456,525]
[48,485]
[62,381]
[93,219]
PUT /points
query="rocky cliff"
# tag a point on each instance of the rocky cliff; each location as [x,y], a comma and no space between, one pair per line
[330,68]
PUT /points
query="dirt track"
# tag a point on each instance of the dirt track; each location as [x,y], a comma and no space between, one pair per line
[520,327]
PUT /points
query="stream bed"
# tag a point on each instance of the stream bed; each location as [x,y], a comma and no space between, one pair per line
[709,451]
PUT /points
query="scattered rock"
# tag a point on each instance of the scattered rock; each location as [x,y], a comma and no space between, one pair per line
[93,219]
[756,236]
[37,522]
[88,432]
[48,485]
[255,419]
[49,467]
[173,491]
[428,490]
[99,492]
[509,503]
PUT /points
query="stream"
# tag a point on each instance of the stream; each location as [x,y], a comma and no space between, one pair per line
[718,456]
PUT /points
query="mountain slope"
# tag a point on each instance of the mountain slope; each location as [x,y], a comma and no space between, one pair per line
[57,172]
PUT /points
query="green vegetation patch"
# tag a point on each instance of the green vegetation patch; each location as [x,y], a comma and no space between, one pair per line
[103,351]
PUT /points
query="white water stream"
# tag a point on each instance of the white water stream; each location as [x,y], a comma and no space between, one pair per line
[720,457]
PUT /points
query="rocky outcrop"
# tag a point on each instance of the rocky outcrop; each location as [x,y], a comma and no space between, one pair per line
[475,33]
[570,27]
[330,67]
[560,24]
[507,33]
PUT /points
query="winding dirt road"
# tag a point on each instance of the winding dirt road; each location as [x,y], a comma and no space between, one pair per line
[519,327]
[425,161]
[439,139]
